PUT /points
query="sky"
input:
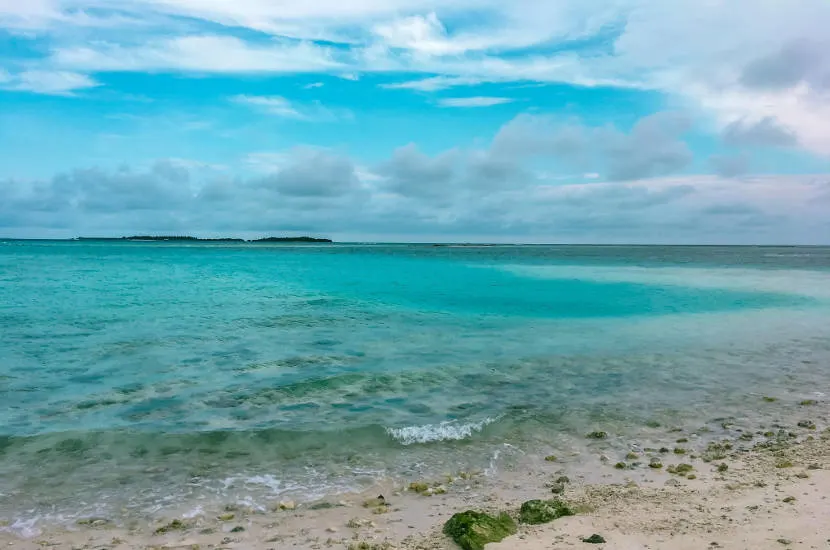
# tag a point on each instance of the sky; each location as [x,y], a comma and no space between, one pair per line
[575,121]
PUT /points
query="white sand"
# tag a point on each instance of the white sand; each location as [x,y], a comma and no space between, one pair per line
[742,508]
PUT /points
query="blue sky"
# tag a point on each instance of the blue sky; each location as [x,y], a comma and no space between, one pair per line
[412,120]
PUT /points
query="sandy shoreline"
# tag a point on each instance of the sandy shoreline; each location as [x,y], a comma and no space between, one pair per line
[764,491]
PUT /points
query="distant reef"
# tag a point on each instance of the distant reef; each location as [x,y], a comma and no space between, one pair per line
[188,238]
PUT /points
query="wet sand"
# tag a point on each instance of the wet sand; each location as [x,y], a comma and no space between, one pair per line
[758,492]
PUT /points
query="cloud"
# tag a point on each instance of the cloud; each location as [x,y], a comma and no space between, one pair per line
[312,172]
[476,101]
[412,173]
[47,82]
[204,53]
[801,61]
[767,132]
[273,105]
[432,84]
[413,196]
[721,63]
[653,147]
[730,166]
[281,107]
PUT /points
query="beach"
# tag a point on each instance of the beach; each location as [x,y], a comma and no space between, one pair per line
[232,395]
[764,491]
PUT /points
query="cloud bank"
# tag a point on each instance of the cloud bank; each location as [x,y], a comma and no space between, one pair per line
[493,194]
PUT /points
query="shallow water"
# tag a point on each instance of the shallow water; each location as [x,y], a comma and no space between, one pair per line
[138,378]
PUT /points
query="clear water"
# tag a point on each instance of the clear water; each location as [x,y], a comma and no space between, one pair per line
[138,378]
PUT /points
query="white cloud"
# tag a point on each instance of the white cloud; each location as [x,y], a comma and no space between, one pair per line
[476,101]
[282,107]
[433,84]
[724,62]
[27,14]
[273,105]
[205,53]
[47,82]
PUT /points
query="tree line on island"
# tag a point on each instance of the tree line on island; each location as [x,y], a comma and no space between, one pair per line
[197,239]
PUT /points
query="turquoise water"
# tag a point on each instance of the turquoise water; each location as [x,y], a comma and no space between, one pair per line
[141,377]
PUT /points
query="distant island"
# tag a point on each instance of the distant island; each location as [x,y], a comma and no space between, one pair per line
[188,238]
[291,240]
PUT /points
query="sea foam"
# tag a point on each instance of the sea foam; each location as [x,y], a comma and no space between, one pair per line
[450,430]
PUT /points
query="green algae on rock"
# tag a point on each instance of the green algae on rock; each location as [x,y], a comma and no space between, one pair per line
[418,487]
[597,435]
[472,530]
[680,469]
[175,525]
[716,451]
[535,512]
[594,539]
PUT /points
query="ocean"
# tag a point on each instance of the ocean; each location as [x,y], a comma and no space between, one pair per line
[151,378]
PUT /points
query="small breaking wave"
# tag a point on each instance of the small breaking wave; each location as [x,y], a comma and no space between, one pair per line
[450,430]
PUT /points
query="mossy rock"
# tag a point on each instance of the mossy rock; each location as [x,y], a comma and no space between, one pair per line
[550,458]
[620,465]
[418,487]
[769,399]
[557,488]
[175,525]
[472,530]
[716,451]
[597,435]
[594,539]
[808,402]
[680,469]
[536,512]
